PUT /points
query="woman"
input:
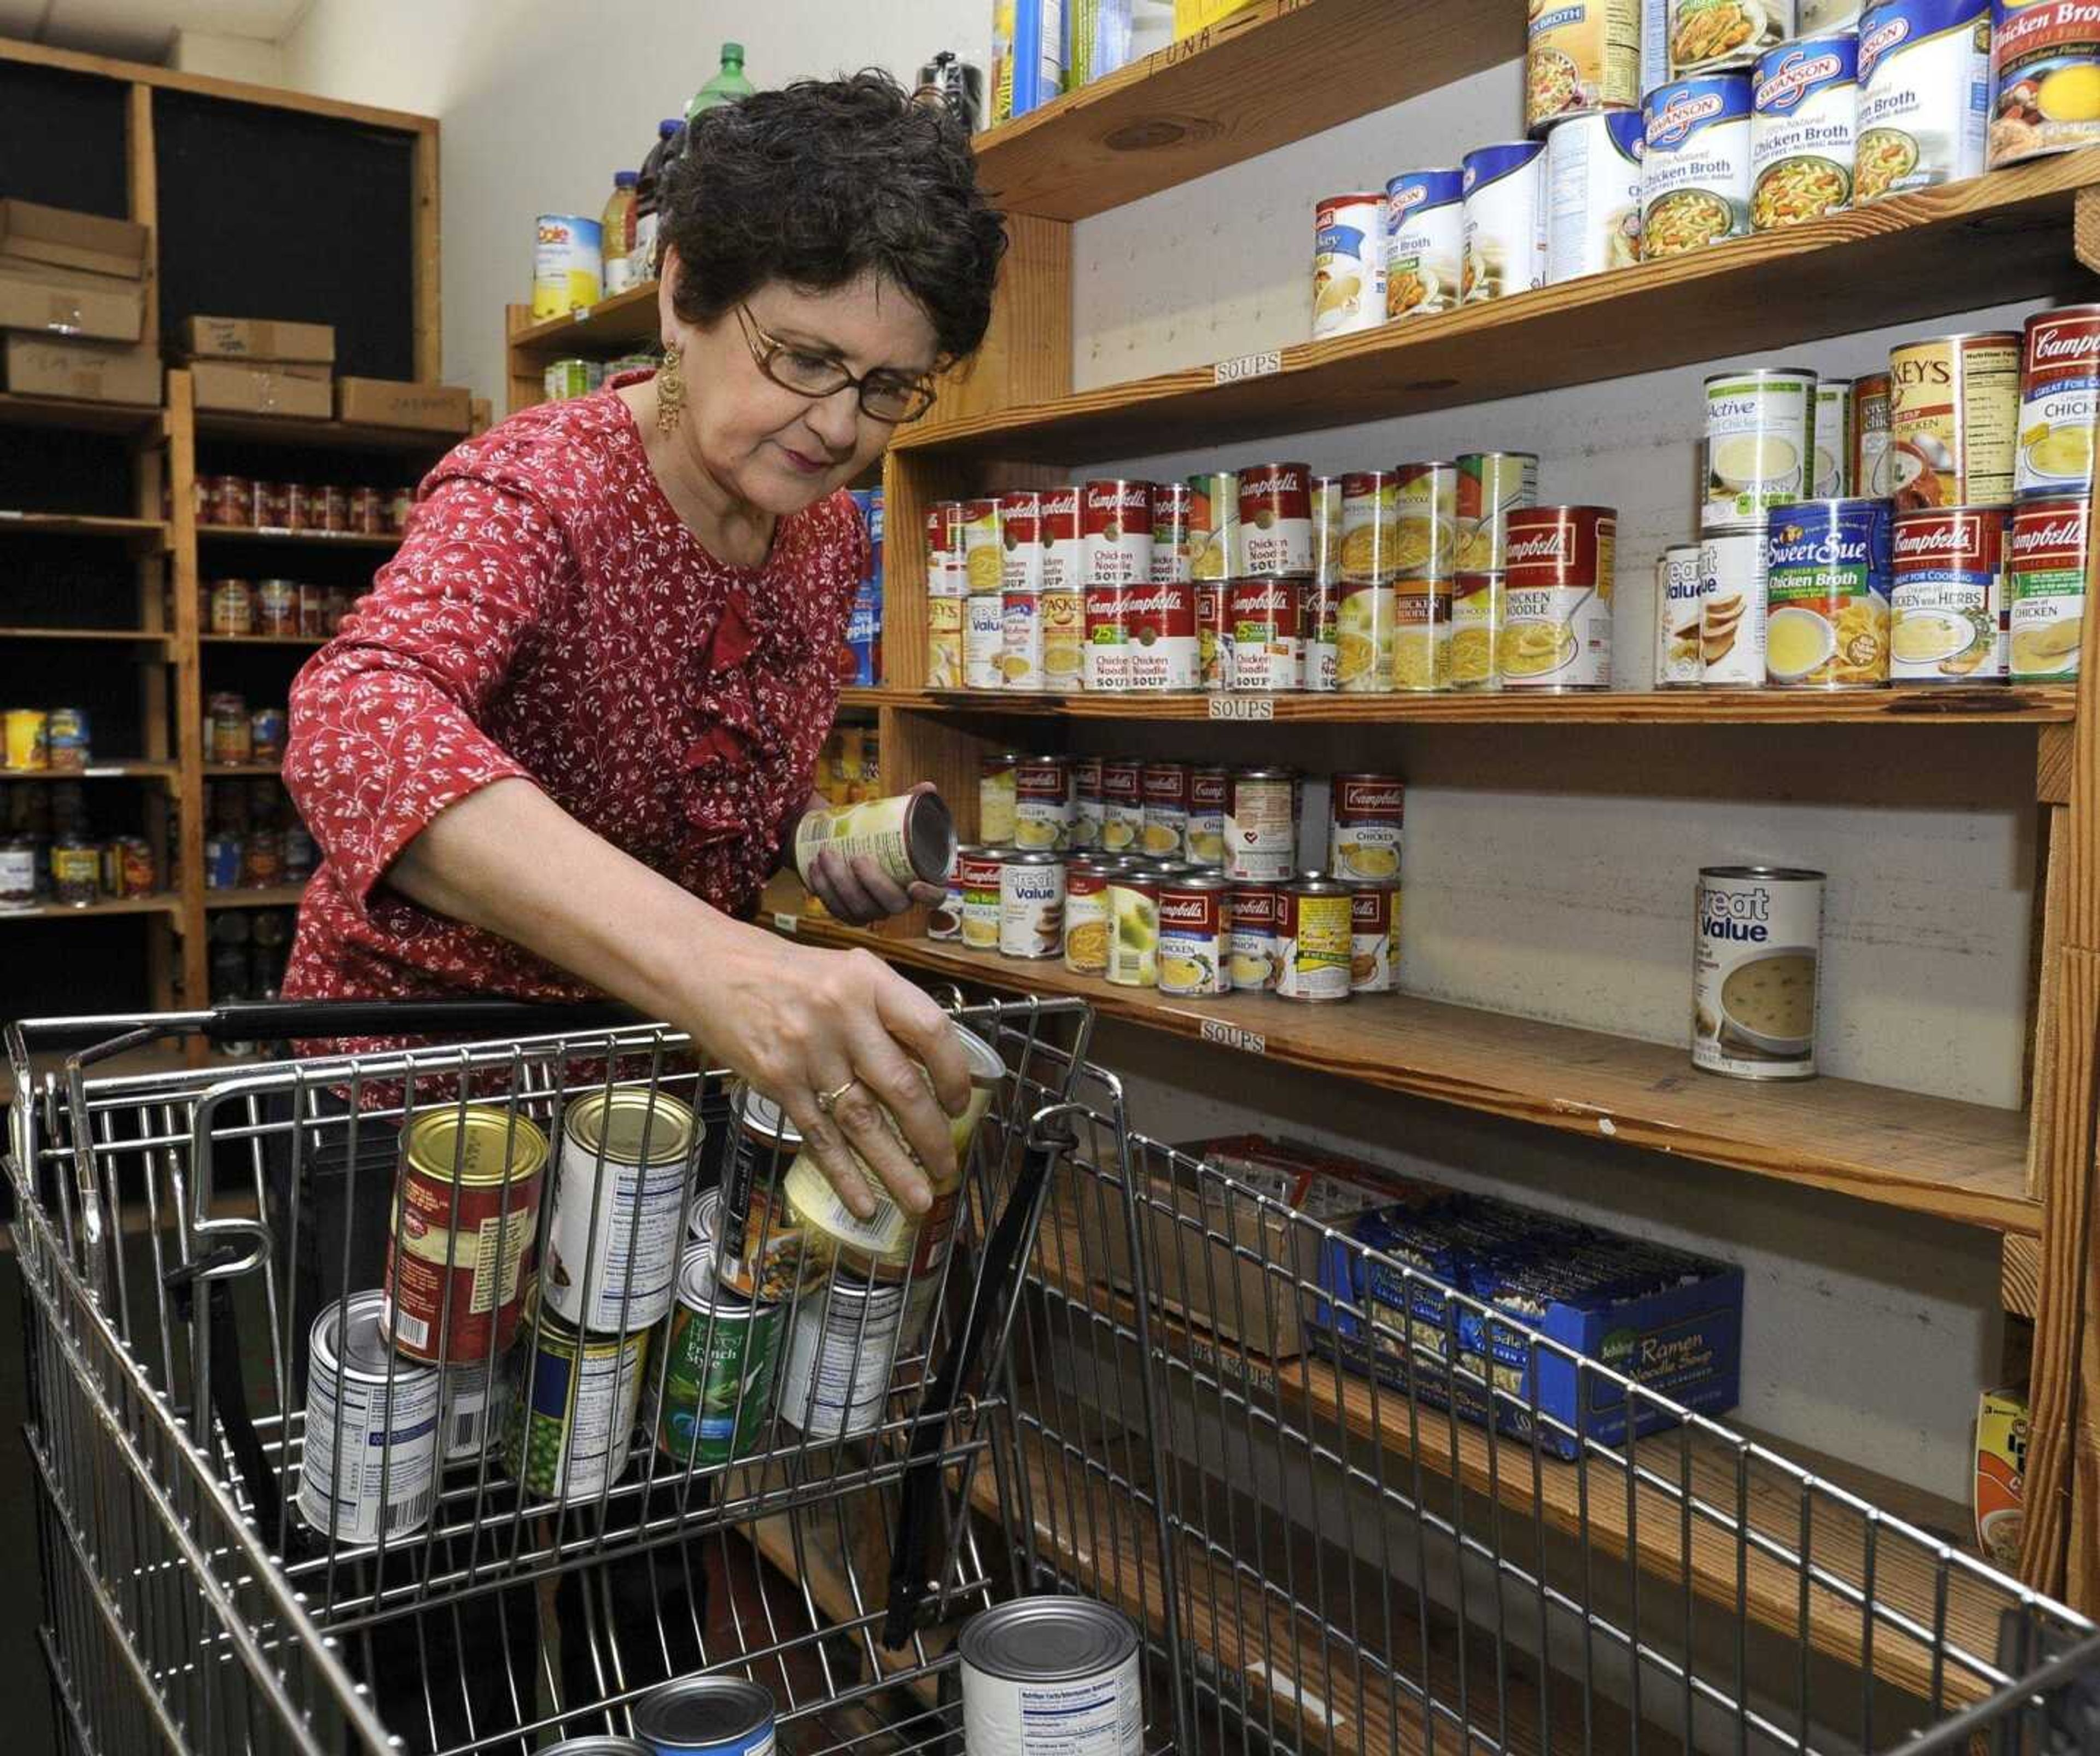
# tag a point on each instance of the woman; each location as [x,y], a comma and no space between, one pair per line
[562,743]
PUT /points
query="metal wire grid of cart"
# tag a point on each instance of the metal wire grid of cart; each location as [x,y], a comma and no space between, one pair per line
[1318,1558]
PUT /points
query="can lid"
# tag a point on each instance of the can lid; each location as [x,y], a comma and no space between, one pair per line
[1264,774]
[707,1215]
[352,1336]
[1031,857]
[929,836]
[596,1744]
[1761,871]
[761,1115]
[1776,374]
[1197,881]
[1047,1640]
[1317,883]
[986,1065]
[702,1711]
[476,1144]
[619,1123]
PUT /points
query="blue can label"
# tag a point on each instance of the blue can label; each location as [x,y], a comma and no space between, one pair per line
[1827,576]
[1696,181]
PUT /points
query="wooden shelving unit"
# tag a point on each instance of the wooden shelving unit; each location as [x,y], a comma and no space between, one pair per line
[109,768]
[166,902]
[253,533]
[148,535]
[76,416]
[262,896]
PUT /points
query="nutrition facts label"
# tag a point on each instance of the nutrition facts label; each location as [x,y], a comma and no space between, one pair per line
[1094,1716]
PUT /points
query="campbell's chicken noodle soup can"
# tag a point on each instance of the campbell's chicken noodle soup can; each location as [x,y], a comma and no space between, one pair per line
[1491,484]
[1115,532]
[2044,78]
[1276,519]
[1261,824]
[1165,786]
[1557,599]
[1925,75]
[1869,470]
[1371,525]
[1581,57]
[1827,595]
[1323,604]
[1020,657]
[1680,593]
[1348,263]
[1365,814]
[1214,525]
[1834,419]
[1315,938]
[2046,564]
[1731,608]
[1213,644]
[1086,802]
[944,642]
[1375,937]
[1266,617]
[1105,667]
[983,640]
[1363,637]
[1954,409]
[1477,625]
[1425,510]
[2059,398]
[1252,961]
[1421,635]
[1043,802]
[1210,789]
[1020,540]
[1059,528]
[1947,595]
[1171,558]
[1504,237]
[1087,914]
[1159,635]
[1804,112]
[1425,238]
[1195,938]
[1123,805]
[1063,616]
[1708,35]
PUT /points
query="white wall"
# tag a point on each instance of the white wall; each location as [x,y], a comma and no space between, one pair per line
[1869,1332]
[222,57]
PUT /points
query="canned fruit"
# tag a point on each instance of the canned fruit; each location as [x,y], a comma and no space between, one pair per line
[567,265]
[2044,78]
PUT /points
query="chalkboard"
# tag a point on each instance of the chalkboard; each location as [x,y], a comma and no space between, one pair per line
[62,139]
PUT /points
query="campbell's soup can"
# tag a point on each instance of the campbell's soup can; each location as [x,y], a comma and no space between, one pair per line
[1159,636]
[1210,790]
[984,567]
[1947,595]
[983,640]
[1365,813]
[2059,397]
[1491,485]
[1266,616]
[1105,667]
[1086,802]
[1134,927]
[1827,594]
[1315,938]
[1696,177]
[1375,937]
[2045,562]
[1707,35]
[1020,544]
[1804,110]
[1213,642]
[1214,525]
[1043,802]
[1123,805]
[1323,601]
[1063,613]
[1326,500]
[1371,525]
[1087,914]
[1476,625]
[1172,559]
[1348,263]
[1924,74]
[995,796]
[1954,409]
[977,868]
[1276,519]
[1059,512]
[1115,532]
[1504,248]
[1421,635]
[1020,657]
[1731,608]
[1680,592]
[1869,471]
[1581,58]
[1261,824]
[1557,599]
[1252,960]
[1425,234]
[1425,510]
[1195,936]
[2044,78]
[1165,788]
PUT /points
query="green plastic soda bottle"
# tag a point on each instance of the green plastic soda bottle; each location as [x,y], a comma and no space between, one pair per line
[726,87]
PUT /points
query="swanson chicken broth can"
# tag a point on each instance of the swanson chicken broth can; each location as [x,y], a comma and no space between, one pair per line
[1115,532]
[1731,608]
[1020,540]
[1165,786]
[1276,519]
[1123,805]
[1087,914]
[1757,936]
[1581,56]
[1557,599]
[1954,411]
[1195,946]
[1261,825]
[1348,263]
[1504,234]
[2045,563]
[1159,636]
[1364,827]
[1827,581]
[978,868]
[1869,470]
[1375,937]
[1209,792]
[1924,92]
[1695,177]
[1315,938]
[1679,594]
[1835,442]
[2059,402]
[1086,808]
[1804,106]
[1760,446]
[1266,617]
[1593,183]
[1477,625]
[1946,595]
[2044,78]
[1706,36]
[983,640]
[1425,235]
[1491,485]
[1031,903]
[1042,803]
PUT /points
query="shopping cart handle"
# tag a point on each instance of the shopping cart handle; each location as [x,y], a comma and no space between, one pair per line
[281,1020]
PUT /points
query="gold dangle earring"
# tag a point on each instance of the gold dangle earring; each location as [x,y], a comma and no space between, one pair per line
[670,390]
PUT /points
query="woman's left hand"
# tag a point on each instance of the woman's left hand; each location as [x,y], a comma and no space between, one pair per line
[859,892]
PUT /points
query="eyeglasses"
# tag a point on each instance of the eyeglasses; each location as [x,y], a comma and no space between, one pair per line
[884,396]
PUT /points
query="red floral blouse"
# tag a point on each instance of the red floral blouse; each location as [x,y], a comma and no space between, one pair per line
[549,616]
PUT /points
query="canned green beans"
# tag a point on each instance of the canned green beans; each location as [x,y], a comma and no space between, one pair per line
[719,1354]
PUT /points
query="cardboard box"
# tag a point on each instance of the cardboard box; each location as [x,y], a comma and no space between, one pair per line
[268,339]
[387,403]
[67,240]
[95,372]
[261,387]
[59,302]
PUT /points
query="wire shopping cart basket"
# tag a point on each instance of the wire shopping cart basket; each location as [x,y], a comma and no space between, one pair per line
[1339,1522]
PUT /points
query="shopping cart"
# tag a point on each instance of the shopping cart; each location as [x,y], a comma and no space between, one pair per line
[1317,1558]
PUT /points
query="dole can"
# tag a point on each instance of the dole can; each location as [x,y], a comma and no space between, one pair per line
[1106,668]
[1827,595]
[979,869]
[1491,485]
[1925,89]
[1165,788]
[1315,939]
[1261,824]
[1758,931]
[1195,950]
[1373,936]
[1042,803]
[1087,914]
[1115,532]
[1680,591]
[2045,563]
[1031,903]
[1804,112]
[983,640]
[568,264]
[1253,955]
[1695,177]
[1159,634]
[1364,828]
[2059,400]
[1020,540]
[2044,78]
[1954,410]
[1276,519]
[1593,194]
[1505,221]
[1123,805]
[1425,230]
[1172,561]
[1947,595]
[1210,790]
[1266,616]
[1086,802]
[1348,263]
[1476,626]
[1731,608]
[1869,470]
[1557,599]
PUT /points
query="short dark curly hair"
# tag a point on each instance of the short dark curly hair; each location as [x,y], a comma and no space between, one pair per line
[821,181]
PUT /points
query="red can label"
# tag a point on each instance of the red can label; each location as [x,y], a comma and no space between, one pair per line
[2059,418]
[1021,541]
[1165,784]
[1170,532]
[1554,546]
[1107,666]
[1159,632]
[2049,534]
[1265,618]
[1061,539]
[1276,518]
[1947,596]
[1207,788]
[1115,532]
[477,1254]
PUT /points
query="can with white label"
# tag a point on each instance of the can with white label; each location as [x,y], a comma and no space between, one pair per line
[841,1353]
[1046,1673]
[1087,807]
[1086,913]
[1680,590]
[1731,608]
[1348,263]
[1696,179]
[1836,442]
[1364,829]
[1505,221]
[1949,596]
[369,1461]
[1115,532]
[1557,595]
[983,640]
[1276,519]
[1925,95]
[1043,802]
[910,835]
[1031,903]
[1425,232]
[2059,402]
[995,796]
[1760,445]
[1593,192]
[612,1237]
[1756,941]
[1261,829]
[1253,944]
[1209,789]
[1805,101]
[1134,927]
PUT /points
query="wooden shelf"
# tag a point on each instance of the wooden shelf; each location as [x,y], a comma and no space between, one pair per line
[137,636]
[1277,72]
[233,770]
[115,768]
[1919,706]
[266,896]
[2003,236]
[1966,1162]
[321,539]
[79,416]
[312,642]
[163,902]
[609,328]
[150,533]
[321,436]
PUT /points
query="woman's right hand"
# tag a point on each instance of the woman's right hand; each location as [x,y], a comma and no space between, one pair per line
[798,1021]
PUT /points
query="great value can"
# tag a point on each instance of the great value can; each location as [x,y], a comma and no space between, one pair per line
[1276,519]
[1031,903]
[1086,810]
[1348,263]
[1491,484]
[978,868]
[568,265]
[1261,828]
[2059,400]
[1593,181]
[1925,90]
[1757,937]
[1061,539]
[721,1352]
[369,1463]
[1214,525]
[2045,563]
[1421,635]
[1020,540]
[983,640]
[1134,928]
[1252,961]
[1087,914]
[1266,617]
[1043,802]
[1707,35]
[465,1215]
[2044,78]
[1165,788]
[910,835]
[1476,625]
[574,1401]
[1425,235]
[1123,805]
[1172,560]
[1946,594]
[1954,408]
[841,1353]
[612,1233]
[1580,57]
[1194,956]
[984,563]
[1375,937]
[1827,582]
[1365,814]
[1209,790]
[1504,239]
[1315,939]
[1067,1662]
[997,784]
[1835,442]
[1869,470]
[1159,632]
[705,1716]
[1805,105]
[1115,532]
[1680,591]
[1363,637]
[1696,179]
[1760,443]
[1731,608]
[1557,599]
